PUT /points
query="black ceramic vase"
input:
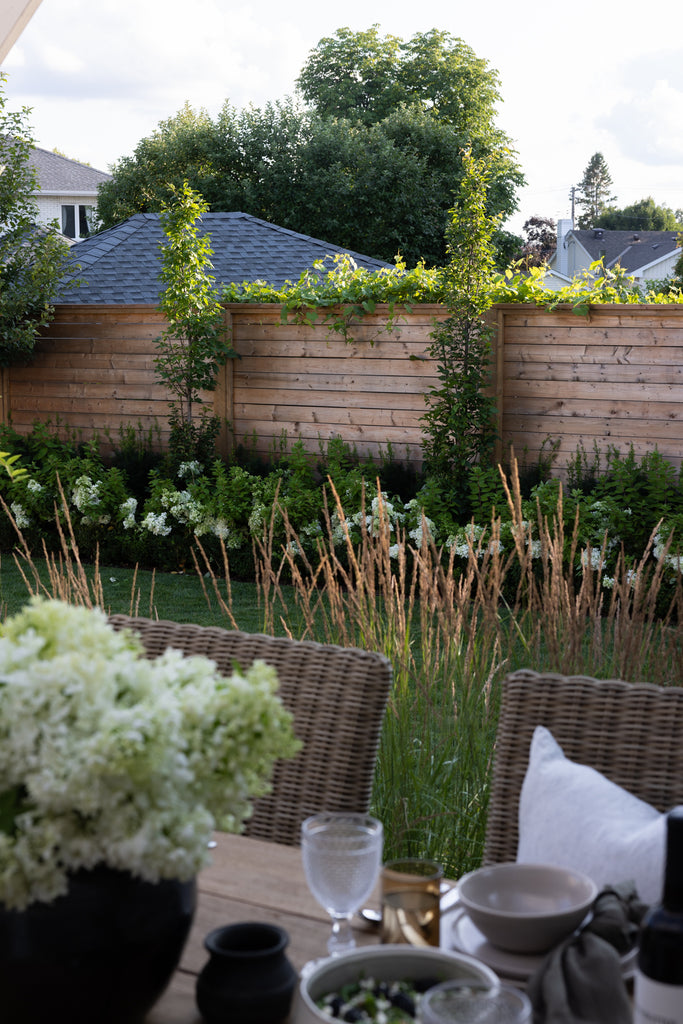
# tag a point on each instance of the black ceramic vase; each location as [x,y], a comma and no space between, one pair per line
[248,978]
[103,952]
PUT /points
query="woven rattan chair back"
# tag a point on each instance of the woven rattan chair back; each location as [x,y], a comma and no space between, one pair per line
[630,732]
[337,696]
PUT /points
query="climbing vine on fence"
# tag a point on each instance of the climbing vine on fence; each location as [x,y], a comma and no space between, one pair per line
[338,293]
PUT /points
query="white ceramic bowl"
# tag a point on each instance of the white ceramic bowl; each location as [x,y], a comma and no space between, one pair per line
[385,963]
[526,908]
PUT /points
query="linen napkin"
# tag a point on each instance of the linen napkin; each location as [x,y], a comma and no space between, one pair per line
[581,981]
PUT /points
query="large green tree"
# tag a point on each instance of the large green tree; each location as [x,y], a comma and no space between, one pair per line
[32,258]
[378,186]
[594,191]
[645,215]
[362,76]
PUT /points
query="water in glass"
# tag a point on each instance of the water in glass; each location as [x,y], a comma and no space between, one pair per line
[341,854]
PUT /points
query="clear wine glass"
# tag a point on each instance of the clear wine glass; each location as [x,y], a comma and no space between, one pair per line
[342,854]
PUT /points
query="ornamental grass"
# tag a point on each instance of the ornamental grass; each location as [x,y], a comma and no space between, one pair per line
[452,632]
[452,628]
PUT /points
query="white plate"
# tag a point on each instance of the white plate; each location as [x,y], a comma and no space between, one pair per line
[460,933]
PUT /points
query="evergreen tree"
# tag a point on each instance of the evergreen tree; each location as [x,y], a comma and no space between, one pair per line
[594,191]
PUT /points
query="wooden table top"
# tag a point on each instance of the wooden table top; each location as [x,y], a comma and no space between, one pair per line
[248,880]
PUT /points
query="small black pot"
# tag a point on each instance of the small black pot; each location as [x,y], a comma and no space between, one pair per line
[248,978]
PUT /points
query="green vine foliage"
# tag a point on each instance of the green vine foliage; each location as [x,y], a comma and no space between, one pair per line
[597,285]
[459,423]
[194,346]
[339,294]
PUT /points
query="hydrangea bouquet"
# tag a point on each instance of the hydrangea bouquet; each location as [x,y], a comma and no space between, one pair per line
[107,757]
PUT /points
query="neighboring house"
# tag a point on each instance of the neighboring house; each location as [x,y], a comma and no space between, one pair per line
[67,192]
[644,255]
[122,264]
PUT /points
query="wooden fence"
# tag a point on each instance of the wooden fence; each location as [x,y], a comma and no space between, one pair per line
[612,379]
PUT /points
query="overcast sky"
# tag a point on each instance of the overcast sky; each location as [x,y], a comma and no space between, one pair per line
[575,78]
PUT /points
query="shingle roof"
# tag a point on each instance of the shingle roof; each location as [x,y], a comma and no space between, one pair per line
[59,174]
[631,249]
[122,265]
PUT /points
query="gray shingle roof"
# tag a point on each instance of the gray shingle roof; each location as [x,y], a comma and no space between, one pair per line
[122,265]
[631,249]
[59,174]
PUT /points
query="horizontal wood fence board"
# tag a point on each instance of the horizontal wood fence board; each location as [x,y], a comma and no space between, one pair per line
[90,376]
[609,426]
[123,392]
[555,409]
[631,354]
[99,367]
[104,407]
[656,374]
[349,399]
[356,335]
[594,337]
[330,414]
[357,431]
[365,369]
[589,391]
[126,334]
[603,316]
[330,382]
[305,348]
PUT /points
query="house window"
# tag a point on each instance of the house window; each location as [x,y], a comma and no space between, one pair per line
[76,221]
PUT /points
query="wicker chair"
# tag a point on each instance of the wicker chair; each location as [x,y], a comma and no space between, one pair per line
[337,696]
[631,732]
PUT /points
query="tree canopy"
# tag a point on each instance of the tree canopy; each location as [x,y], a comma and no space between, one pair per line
[32,258]
[645,215]
[361,76]
[376,175]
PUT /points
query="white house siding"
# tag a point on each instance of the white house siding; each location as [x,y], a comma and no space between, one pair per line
[662,268]
[50,207]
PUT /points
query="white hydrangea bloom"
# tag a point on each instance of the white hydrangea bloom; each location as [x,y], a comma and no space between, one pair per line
[220,528]
[86,493]
[112,758]
[192,468]
[128,510]
[594,562]
[20,517]
[156,523]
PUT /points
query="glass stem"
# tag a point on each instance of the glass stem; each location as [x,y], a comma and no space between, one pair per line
[342,937]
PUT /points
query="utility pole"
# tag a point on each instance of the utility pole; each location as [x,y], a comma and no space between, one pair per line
[572,196]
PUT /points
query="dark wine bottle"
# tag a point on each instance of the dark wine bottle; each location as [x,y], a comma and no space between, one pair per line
[658,995]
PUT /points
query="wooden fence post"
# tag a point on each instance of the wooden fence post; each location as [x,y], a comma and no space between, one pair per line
[5,407]
[223,401]
[499,382]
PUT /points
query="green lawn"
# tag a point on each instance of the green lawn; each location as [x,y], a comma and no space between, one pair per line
[177,596]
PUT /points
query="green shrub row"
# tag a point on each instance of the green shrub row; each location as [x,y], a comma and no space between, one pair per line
[140,507]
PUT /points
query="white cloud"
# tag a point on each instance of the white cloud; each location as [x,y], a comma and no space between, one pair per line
[647,125]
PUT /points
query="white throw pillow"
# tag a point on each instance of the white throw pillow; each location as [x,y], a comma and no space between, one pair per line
[572,816]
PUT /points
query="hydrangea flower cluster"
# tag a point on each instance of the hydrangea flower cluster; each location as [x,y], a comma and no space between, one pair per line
[107,757]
